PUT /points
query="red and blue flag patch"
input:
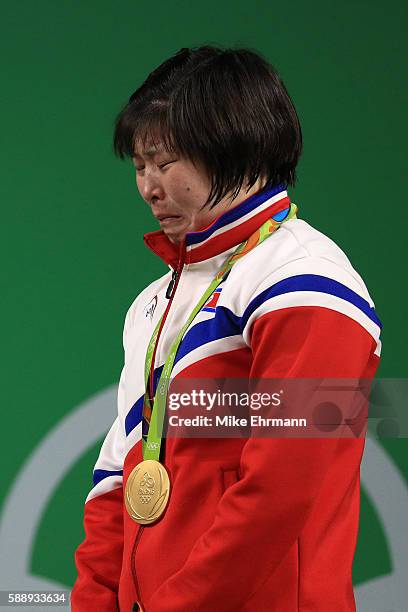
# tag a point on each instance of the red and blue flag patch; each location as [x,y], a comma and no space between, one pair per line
[212,302]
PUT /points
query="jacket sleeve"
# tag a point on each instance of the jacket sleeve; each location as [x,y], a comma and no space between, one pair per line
[99,557]
[264,507]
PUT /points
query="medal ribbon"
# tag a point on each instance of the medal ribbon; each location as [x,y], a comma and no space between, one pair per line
[151,448]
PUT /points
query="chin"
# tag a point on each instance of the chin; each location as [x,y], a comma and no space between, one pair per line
[174,239]
[176,236]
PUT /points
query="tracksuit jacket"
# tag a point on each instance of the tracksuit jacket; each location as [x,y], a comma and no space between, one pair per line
[256,524]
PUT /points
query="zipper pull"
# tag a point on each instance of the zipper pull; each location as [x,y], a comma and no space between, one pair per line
[172,283]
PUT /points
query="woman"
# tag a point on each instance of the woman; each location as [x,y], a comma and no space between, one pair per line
[181,524]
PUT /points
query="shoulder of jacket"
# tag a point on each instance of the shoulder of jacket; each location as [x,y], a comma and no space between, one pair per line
[295,249]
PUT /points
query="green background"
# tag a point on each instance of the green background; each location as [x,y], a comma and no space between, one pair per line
[72,220]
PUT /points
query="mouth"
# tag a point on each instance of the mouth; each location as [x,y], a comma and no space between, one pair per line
[168,219]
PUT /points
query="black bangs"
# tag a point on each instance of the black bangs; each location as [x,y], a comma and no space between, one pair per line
[142,126]
[226,109]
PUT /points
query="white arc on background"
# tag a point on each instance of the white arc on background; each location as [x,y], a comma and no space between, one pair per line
[63,445]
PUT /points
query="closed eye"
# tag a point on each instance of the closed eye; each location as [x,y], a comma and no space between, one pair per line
[135,165]
[140,169]
[166,163]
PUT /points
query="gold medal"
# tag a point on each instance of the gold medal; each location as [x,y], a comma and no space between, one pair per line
[147,491]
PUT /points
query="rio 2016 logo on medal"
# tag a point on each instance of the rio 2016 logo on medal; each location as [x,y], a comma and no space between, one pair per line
[147,492]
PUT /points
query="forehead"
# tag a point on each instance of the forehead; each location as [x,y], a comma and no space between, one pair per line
[148,151]
[149,147]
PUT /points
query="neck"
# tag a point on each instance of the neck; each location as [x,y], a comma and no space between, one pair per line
[227,203]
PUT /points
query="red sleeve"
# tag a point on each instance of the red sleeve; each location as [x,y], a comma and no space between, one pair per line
[292,342]
[99,557]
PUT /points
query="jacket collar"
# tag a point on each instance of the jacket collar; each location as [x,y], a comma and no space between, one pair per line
[227,231]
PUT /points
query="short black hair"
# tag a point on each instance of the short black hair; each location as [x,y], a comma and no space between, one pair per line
[225,108]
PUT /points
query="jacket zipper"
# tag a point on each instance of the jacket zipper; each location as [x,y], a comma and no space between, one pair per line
[133,563]
[171,290]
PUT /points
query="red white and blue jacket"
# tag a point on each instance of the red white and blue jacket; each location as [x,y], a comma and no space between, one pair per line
[265,525]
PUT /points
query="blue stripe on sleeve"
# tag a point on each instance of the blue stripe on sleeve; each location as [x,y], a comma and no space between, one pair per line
[99,475]
[224,324]
[134,416]
[311,282]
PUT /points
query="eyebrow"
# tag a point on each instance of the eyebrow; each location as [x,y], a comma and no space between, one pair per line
[150,152]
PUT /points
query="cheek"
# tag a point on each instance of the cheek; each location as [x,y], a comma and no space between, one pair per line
[180,191]
[187,193]
[138,181]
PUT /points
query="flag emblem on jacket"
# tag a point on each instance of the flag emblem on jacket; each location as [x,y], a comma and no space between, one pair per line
[212,302]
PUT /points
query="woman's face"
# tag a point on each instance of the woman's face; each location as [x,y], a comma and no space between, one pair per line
[176,190]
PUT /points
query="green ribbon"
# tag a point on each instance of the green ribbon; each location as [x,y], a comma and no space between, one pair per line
[151,448]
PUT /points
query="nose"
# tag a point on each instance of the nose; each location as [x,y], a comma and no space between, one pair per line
[151,188]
